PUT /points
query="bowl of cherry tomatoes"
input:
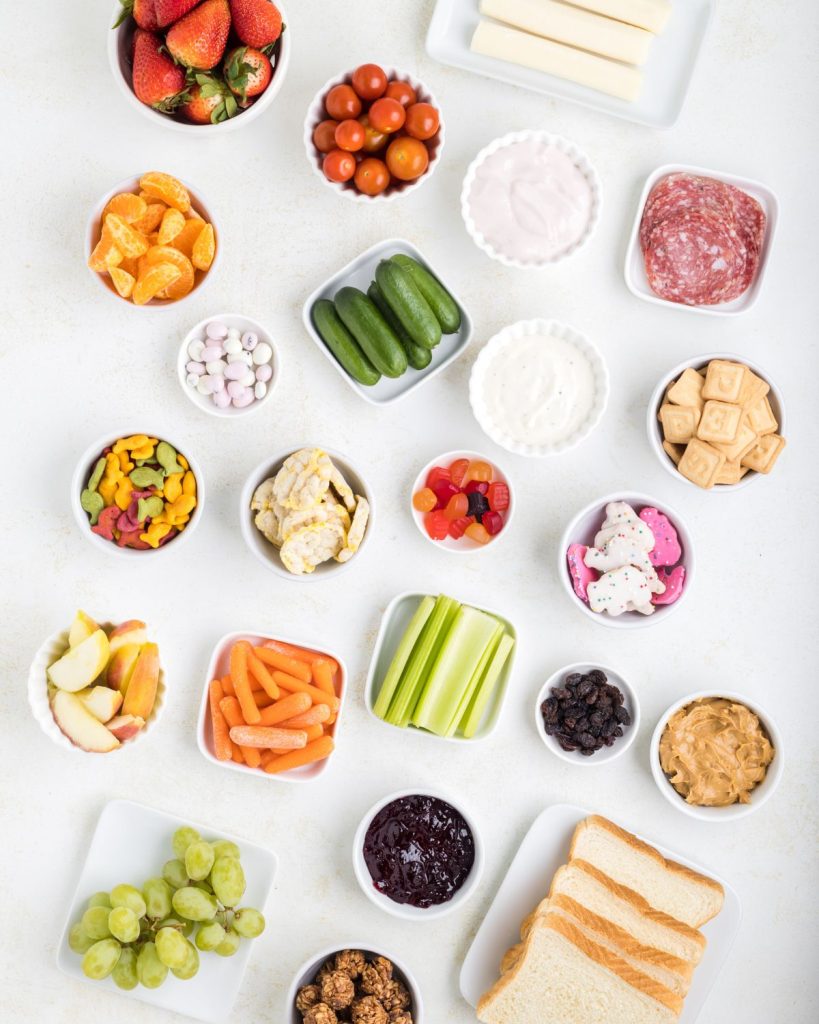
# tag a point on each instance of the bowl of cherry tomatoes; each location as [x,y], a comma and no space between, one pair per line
[373,133]
[462,502]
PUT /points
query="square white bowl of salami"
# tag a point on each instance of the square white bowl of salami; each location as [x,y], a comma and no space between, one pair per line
[634,268]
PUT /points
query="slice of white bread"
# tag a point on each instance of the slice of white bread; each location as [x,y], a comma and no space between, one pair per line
[595,891]
[561,977]
[685,894]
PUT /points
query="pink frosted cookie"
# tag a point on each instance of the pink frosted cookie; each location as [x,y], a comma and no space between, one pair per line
[674,582]
[580,573]
[666,550]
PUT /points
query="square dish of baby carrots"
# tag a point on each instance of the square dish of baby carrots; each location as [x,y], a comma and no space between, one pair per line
[271,706]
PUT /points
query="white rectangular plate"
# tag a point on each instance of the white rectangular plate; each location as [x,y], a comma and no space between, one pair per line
[527,882]
[358,274]
[667,73]
[130,844]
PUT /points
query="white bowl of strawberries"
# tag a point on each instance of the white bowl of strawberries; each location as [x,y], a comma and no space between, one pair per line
[199,65]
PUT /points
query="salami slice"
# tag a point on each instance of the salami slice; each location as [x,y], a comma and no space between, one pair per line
[678,192]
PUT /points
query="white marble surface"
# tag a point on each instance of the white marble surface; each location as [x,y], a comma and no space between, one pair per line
[75,364]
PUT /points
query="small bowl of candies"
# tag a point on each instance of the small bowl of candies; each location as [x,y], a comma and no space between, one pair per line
[461,501]
[373,133]
[136,493]
[228,365]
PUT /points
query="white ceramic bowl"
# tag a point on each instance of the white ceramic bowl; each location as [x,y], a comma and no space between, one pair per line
[464,546]
[634,267]
[507,337]
[83,471]
[405,911]
[52,650]
[577,156]
[204,402]
[306,975]
[120,41]
[267,554]
[93,229]
[605,755]
[316,113]
[654,427]
[584,526]
[758,795]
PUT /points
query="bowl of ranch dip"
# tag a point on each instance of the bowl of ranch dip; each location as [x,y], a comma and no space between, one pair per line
[530,199]
[538,388]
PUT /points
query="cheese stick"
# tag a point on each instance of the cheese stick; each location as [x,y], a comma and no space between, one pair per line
[652,15]
[570,25]
[620,80]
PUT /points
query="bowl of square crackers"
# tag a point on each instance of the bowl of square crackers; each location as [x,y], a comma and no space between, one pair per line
[717,421]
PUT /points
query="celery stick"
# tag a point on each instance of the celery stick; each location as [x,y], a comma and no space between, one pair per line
[452,671]
[421,651]
[477,676]
[436,643]
[401,656]
[474,715]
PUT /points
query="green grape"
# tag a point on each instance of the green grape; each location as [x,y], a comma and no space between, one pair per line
[229,944]
[209,936]
[204,886]
[100,899]
[95,923]
[128,896]
[157,895]
[225,848]
[179,923]
[199,860]
[249,923]
[123,924]
[182,839]
[125,973]
[228,881]
[171,947]
[78,939]
[174,873]
[191,964]
[101,958]
[194,904]
[151,972]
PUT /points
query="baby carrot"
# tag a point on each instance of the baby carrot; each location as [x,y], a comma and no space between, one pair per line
[314,732]
[260,674]
[262,736]
[241,683]
[323,675]
[287,707]
[316,715]
[230,691]
[221,740]
[315,751]
[301,653]
[238,756]
[287,682]
[262,700]
[233,716]
[283,663]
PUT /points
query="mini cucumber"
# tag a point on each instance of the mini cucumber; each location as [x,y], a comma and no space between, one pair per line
[417,356]
[408,304]
[342,344]
[441,302]
[371,331]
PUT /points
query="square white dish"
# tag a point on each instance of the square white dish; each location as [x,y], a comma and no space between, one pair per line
[544,849]
[668,71]
[358,273]
[634,268]
[394,622]
[131,843]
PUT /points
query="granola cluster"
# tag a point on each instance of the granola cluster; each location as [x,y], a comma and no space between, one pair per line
[352,989]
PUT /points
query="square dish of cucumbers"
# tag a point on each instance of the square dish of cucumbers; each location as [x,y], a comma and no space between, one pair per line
[387,321]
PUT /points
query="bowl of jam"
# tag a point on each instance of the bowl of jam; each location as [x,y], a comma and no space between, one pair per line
[417,855]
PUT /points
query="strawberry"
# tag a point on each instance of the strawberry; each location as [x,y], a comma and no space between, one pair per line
[157,81]
[142,11]
[208,102]
[169,11]
[198,40]
[256,22]
[247,72]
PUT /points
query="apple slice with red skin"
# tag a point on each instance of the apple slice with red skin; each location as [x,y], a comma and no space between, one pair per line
[79,725]
[124,727]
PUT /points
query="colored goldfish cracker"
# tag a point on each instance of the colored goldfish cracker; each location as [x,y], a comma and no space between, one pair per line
[173,486]
[233,716]
[294,704]
[188,483]
[318,750]
[122,497]
[127,444]
[221,738]
[125,463]
[259,672]
[154,534]
[287,682]
[183,462]
[284,663]
[241,684]
[265,737]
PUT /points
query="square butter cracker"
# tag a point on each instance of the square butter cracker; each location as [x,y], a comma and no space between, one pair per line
[764,453]
[760,416]
[753,388]
[679,422]
[724,381]
[674,451]
[701,463]
[719,422]
[731,473]
[744,441]
[687,390]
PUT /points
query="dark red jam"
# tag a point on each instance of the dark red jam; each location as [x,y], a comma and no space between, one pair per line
[419,850]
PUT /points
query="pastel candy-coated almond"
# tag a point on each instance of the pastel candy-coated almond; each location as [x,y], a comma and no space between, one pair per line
[240,401]
[205,385]
[196,368]
[580,573]
[232,346]
[235,389]
[196,348]
[235,371]
[215,367]
[248,380]
[263,353]
[250,340]
[217,383]
[666,550]
[221,399]
[216,330]
[260,389]
[240,357]
[674,582]
[264,373]
[211,352]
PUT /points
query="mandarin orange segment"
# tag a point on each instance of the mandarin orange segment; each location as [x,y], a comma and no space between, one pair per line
[184,241]
[151,219]
[157,276]
[131,242]
[106,253]
[166,188]
[166,254]
[126,205]
[204,248]
[123,281]
[172,224]
[130,264]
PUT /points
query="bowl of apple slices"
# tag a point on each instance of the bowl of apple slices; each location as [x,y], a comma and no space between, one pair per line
[97,687]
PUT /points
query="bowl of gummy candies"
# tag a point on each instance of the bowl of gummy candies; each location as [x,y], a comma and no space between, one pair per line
[462,502]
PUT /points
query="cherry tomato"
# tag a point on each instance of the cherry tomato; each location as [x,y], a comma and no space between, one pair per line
[341,102]
[457,471]
[493,522]
[458,527]
[477,532]
[373,140]
[444,490]
[338,165]
[457,506]
[437,525]
[372,176]
[369,81]
[350,135]
[479,471]
[435,474]
[498,495]
[403,92]
[407,158]
[422,121]
[386,116]
[324,136]
[424,500]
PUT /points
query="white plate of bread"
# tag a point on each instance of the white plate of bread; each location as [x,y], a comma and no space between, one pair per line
[594,925]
